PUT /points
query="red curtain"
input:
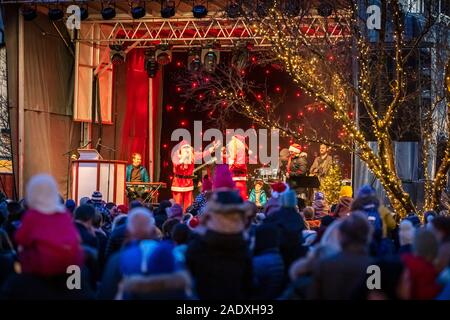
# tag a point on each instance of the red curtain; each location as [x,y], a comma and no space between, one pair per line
[135,134]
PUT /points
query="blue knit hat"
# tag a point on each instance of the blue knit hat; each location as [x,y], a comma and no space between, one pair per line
[288,199]
[319,196]
[70,205]
[148,257]
[366,191]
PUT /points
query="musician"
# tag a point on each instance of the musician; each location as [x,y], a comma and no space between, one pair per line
[258,195]
[183,161]
[322,163]
[297,162]
[237,160]
[135,171]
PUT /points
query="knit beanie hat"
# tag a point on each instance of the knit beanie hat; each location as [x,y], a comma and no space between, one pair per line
[320,207]
[175,212]
[346,191]
[406,232]
[96,197]
[319,196]
[42,194]
[70,205]
[288,199]
[278,188]
[366,191]
[222,178]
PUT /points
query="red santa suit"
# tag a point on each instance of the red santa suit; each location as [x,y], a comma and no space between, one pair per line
[183,162]
[237,160]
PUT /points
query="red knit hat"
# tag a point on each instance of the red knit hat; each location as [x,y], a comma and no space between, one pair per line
[222,178]
[193,223]
[278,188]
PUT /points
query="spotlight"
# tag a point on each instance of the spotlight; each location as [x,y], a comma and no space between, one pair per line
[210,59]
[163,54]
[151,65]
[29,12]
[291,7]
[233,10]
[325,9]
[199,11]
[137,9]
[117,54]
[167,9]
[55,14]
[194,60]
[108,12]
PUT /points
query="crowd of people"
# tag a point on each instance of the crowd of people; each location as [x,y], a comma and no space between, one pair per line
[221,247]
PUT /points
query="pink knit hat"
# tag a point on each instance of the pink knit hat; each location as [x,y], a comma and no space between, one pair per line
[222,178]
[175,212]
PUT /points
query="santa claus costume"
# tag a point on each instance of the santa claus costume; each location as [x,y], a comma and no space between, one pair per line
[237,160]
[183,161]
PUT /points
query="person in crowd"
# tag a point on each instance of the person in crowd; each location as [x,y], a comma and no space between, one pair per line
[311,221]
[85,200]
[198,207]
[118,221]
[175,212]
[13,220]
[160,213]
[258,195]
[441,228]
[116,238]
[167,228]
[273,204]
[84,220]
[350,264]
[99,205]
[159,277]
[420,265]
[7,257]
[268,265]
[220,255]
[70,205]
[48,243]
[320,205]
[325,222]
[395,282]
[290,225]
[181,235]
[122,209]
[102,238]
[415,220]
[140,227]
[406,236]
[342,208]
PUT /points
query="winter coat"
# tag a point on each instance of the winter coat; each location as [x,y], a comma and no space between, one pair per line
[339,276]
[88,238]
[50,243]
[115,241]
[290,224]
[443,257]
[268,272]
[262,197]
[423,277]
[112,276]
[297,166]
[221,266]
[143,172]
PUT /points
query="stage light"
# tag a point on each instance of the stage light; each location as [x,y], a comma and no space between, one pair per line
[233,9]
[167,9]
[291,7]
[163,54]
[325,9]
[199,10]
[151,65]
[55,13]
[194,60]
[108,12]
[210,59]
[29,12]
[117,54]
[137,9]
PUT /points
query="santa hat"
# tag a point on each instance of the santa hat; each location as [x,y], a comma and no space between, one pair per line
[223,179]
[206,184]
[193,222]
[303,154]
[278,188]
[295,147]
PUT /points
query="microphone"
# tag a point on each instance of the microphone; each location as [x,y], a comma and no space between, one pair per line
[85,145]
[98,143]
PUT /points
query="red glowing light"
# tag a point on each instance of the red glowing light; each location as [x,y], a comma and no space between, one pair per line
[267,71]
[253,59]
[183,123]
[278,89]
[243,72]
[289,117]
[298,94]
[309,108]
[179,64]
[300,114]
[201,96]
[169,107]
[182,108]
[165,145]
[194,84]
[259,96]
[178,89]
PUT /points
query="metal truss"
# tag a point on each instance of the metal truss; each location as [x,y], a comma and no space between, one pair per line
[190,32]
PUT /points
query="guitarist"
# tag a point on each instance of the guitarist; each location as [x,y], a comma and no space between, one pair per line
[183,161]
